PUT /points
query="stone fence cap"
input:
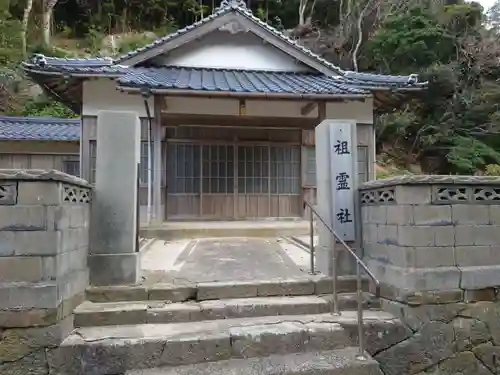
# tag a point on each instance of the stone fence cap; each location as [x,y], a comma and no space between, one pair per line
[431,180]
[41,175]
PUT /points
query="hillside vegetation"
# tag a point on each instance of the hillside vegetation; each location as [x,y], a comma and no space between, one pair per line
[451,128]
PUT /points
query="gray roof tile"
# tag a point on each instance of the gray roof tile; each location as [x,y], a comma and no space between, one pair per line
[39,129]
[243,81]
[380,80]
[92,66]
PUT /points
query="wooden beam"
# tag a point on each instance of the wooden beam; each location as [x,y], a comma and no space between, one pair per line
[250,121]
[321,112]
[308,108]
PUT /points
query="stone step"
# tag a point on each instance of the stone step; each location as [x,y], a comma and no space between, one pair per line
[117,349]
[333,362]
[176,291]
[141,312]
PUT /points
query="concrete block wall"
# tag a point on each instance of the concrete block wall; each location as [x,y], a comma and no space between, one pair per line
[432,238]
[44,223]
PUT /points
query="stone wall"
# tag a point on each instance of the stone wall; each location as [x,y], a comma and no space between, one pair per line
[447,339]
[434,243]
[433,238]
[44,221]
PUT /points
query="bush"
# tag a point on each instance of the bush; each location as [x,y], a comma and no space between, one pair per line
[45,107]
[52,51]
[492,170]
[94,38]
[132,42]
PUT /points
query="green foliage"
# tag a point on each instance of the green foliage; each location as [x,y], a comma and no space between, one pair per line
[10,39]
[454,126]
[492,170]
[409,41]
[133,42]
[45,107]
[51,51]
[93,39]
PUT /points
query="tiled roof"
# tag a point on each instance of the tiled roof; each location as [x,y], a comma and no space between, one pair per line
[76,62]
[370,80]
[106,67]
[39,129]
[239,81]
[92,66]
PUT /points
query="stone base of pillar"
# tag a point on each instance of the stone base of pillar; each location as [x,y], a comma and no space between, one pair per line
[324,260]
[114,269]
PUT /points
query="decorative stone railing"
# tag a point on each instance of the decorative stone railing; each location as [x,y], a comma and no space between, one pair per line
[44,222]
[433,238]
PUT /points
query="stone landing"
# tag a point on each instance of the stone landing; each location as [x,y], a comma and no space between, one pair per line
[222,229]
[221,259]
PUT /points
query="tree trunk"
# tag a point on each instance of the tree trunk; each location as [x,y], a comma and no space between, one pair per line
[302,12]
[48,8]
[360,35]
[24,29]
[46,23]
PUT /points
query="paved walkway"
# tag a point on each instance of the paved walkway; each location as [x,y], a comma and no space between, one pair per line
[221,259]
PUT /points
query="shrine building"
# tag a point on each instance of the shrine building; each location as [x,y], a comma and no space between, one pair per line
[228,108]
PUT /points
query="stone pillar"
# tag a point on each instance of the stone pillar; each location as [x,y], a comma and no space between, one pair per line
[44,222]
[336,179]
[114,258]
[324,199]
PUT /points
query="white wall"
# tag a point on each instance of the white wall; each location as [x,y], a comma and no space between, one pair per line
[360,111]
[223,50]
[101,94]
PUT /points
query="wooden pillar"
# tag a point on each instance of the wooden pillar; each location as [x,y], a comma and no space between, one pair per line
[88,134]
[157,136]
[372,156]
[308,167]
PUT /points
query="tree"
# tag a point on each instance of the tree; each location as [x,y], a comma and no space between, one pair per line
[493,16]
[26,17]
[48,9]
[454,127]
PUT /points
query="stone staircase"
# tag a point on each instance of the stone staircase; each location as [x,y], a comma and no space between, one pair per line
[248,327]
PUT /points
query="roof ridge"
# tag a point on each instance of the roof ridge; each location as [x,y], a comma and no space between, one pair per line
[32,128]
[232,3]
[42,119]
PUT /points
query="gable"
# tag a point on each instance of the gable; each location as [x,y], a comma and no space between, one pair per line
[235,20]
[226,50]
